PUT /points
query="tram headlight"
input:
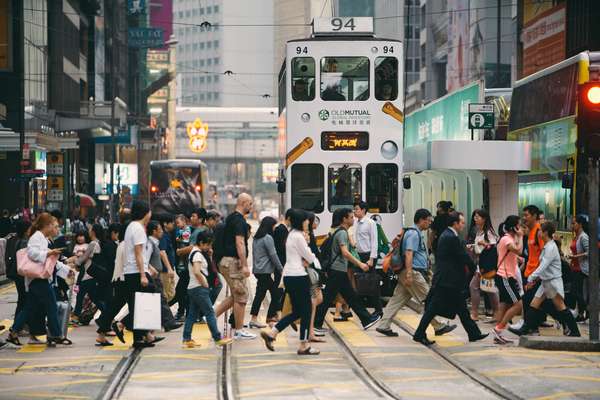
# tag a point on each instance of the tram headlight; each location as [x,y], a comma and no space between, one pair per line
[374,49]
[305,117]
[389,150]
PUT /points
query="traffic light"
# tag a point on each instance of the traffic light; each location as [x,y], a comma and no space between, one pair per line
[588,118]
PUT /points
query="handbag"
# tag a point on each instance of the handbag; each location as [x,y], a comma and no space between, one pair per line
[146,314]
[367,283]
[488,262]
[488,285]
[98,272]
[34,270]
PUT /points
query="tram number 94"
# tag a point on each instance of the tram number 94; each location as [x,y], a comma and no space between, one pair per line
[339,23]
[388,49]
[301,50]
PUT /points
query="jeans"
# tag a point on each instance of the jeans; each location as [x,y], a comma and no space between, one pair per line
[338,282]
[21,294]
[298,288]
[264,284]
[199,302]
[133,284]
[41,296]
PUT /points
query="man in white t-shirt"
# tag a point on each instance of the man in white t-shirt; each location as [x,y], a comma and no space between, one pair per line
[137,256]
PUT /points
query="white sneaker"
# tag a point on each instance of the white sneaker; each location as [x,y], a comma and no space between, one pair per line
[243,335]
[518,325]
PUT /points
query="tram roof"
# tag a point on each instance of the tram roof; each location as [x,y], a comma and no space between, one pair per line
[178,162]
[344,38]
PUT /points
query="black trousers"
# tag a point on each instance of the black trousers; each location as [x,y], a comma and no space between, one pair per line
[132,284]
[578,287]
[454,297]
[547,305]
[298,288]
[166,316]
[264,284]
[181,291]
[374,300]
[279,292]
[338,282]
[116,301]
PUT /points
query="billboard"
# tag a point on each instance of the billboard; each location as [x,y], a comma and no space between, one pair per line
[161,16]
[143,38]
[457,68]
[543,36]
[99,59]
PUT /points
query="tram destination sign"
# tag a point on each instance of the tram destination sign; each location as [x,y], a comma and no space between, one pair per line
[343,25]
[348,141]
[481,116]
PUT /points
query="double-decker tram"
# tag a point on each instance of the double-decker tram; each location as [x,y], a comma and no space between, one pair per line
[178,186]
[340,102]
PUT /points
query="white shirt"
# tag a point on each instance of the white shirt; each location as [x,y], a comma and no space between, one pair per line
[37,251]
[296,250]
[365,236]
[198,258]
[135,235]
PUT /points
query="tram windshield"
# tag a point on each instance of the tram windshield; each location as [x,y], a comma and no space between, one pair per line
[344,78]
[345,183]
[303,79]
[386,78]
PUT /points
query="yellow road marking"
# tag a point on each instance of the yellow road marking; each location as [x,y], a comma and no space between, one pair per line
[435,395]
[244,355]
[298,386]
[395,354]
[32,348]
[60,358]
[168,374]
[354,334]
[11,371]
[182,356]
[558,376]
[56,384]
[320,362]
[423,378]
[447,340]
[516,353]
[11,287]
[65,363]
[567,394]
[50,395]
[511,371]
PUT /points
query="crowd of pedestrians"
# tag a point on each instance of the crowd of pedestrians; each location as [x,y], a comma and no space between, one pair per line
[438,266]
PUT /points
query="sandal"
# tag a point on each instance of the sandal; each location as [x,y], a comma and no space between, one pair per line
[309,352]
[59,340]
[317,340]
[268,340]
[14,339]
[103,343]
[118,332]
[340,319]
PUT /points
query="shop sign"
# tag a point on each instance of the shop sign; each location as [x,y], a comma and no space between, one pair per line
[444,119]
[54,163]
[144,38]
[135,7]
[198,134]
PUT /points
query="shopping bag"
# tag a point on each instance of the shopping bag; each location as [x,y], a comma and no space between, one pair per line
[488,285]
[147,311]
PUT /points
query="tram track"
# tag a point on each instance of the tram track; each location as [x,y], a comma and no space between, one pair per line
[118,379]
[376,385]
[476,377]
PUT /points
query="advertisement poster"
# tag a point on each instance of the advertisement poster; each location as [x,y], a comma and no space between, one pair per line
[457,68]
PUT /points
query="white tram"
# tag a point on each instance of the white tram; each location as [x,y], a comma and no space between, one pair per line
[341,124]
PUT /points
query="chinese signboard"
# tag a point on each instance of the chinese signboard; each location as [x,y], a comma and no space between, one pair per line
[481,116]
[543,36]
[198,132]
[144,38]
[444,119]
[135,7]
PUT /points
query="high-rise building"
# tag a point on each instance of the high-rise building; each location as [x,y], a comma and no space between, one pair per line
[216,37]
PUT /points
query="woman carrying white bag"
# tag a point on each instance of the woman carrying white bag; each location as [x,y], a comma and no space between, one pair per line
[38,264]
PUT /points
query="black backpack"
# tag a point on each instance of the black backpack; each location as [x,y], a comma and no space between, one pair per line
[219,242]
[326,251]
[13,244]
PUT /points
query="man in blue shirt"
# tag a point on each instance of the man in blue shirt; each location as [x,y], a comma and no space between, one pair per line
[411,282]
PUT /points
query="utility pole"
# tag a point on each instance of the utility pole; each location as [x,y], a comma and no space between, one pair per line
[113,95]
[171,133]
[593,307]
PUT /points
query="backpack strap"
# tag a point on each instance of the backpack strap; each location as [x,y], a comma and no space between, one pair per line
[191,257]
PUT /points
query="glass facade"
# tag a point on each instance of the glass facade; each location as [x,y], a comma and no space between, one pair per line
[35,57]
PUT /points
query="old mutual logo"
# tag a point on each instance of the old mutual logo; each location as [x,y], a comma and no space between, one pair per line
[324,115]
[198,132]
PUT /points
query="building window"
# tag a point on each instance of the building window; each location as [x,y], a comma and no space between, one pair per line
[201,45]
[303,78]
[201,96]
[308,190]
[187,13]
[201,79]
[345,185]
[208,45]
[386,78]
[195,46]
[209,96]
[344,78]
[216,95]
[216,60]
[216,9]
[180,14]
[209,10]
[202,63]
[382,187]
[216,78]
[201,10]
[195,12]
[216,44]
[209,62]
[209,79]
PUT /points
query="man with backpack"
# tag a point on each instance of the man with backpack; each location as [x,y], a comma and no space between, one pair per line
[335,258]
[411,280]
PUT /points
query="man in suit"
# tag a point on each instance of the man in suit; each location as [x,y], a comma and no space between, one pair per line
[450,279]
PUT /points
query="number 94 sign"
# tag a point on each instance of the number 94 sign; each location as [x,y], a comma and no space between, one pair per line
[343,25]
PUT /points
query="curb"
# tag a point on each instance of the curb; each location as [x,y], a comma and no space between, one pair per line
[578,344]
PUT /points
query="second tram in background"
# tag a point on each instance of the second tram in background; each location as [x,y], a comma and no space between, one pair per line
[178,186]
[340,102]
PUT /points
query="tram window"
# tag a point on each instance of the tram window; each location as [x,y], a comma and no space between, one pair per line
[345,185]
[308,189]
[303,78]
[386,78]
[382,188]
[345,78]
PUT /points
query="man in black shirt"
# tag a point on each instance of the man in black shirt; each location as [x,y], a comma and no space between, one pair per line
[234,264]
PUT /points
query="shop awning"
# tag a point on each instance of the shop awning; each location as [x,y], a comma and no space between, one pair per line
[480,155]
[85,200]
